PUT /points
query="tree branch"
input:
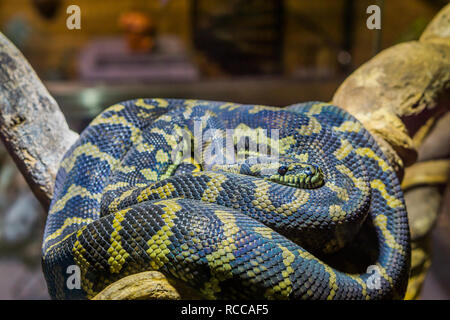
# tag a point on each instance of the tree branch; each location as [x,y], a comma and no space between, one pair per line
[400,89]
[32,126]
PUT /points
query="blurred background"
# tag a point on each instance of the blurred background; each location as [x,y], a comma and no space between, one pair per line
[270,52]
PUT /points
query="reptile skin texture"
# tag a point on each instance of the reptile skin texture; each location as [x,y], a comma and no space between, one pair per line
[308,214]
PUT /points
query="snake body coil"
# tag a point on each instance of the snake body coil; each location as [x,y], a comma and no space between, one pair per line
[326,220]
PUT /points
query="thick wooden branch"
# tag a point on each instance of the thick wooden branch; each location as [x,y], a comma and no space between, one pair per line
[395,93]
[399,95]
[32,126]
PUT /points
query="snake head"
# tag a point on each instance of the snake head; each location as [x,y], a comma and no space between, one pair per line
[299,175]
[284,170]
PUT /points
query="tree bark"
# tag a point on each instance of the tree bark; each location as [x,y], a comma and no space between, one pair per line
[396,92]
[32,126]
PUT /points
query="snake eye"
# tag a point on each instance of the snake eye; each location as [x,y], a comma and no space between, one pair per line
[282,170]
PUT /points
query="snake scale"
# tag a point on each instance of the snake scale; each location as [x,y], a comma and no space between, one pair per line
[303,216]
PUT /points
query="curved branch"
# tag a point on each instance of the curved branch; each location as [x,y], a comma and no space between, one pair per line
[400,89]
[32,126]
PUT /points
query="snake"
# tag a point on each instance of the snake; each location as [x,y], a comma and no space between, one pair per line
[234,201]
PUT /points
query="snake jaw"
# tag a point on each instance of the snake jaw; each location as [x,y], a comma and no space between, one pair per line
[287,172]
[299,175]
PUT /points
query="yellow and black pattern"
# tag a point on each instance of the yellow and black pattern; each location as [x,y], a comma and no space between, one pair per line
[303,223]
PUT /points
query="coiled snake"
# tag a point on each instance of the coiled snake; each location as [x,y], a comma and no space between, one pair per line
[314,211]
